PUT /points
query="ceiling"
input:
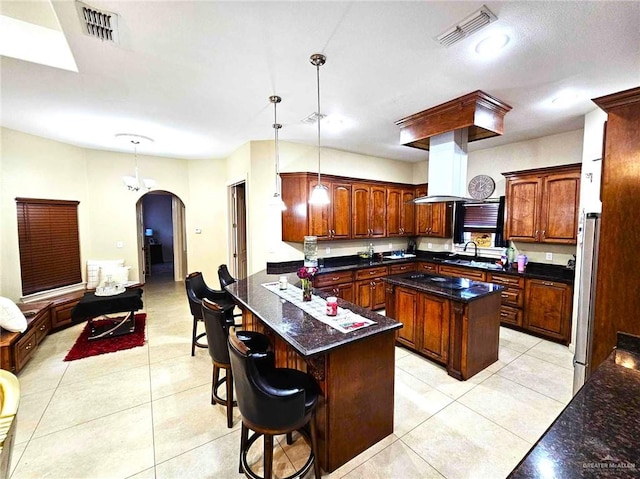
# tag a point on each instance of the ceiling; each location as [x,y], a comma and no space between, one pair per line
[197,76]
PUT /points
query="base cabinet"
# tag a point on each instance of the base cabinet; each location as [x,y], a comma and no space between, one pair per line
[462,336]
[434,330]
[548,309]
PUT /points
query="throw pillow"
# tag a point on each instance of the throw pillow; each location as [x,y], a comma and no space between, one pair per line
[11,318]
[93,270]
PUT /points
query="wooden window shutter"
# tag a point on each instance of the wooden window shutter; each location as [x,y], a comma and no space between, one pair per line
[49,244]
[481,217]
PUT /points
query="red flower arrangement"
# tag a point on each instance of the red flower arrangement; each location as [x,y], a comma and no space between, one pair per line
[306,274]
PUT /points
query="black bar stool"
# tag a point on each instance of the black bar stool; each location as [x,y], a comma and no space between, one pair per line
[272,401]
[216,325]
[197,289]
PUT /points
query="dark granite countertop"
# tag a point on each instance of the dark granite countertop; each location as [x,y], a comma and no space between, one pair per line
[303,332]
[457,289]
[550,272]
[597,435]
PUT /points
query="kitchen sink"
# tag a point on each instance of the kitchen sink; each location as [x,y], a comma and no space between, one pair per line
[474,264]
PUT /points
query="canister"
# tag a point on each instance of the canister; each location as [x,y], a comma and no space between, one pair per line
[332,306]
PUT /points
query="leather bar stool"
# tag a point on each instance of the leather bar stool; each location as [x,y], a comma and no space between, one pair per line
[217,325]
[272,401]
[224,276]
[197,290]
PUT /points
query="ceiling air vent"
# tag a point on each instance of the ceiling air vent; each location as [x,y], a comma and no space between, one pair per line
[98,23]
[466,27]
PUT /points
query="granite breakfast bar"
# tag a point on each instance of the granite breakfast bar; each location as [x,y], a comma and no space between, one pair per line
[354,370]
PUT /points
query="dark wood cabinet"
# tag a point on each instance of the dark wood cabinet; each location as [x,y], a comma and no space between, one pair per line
[332,221]
[434,328]
[368,208]
[542,205]
[406,311]
[459,272]
[462,336]
[339,284]
[357,210]
[369,287]
[16,349]
[433,219]
[426,267]
[617,298]
[548,309]
[400,212]
[512,298]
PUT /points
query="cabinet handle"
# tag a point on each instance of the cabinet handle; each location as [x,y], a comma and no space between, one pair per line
[335,278]
[548,283]
[28,347]
[42,328]
[372,272]
[536,235]
[544,233]
[504,296]
[503,314]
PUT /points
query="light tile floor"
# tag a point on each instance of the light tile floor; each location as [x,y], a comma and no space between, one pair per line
[145,413]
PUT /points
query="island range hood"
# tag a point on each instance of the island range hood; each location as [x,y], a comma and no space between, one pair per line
[445,130]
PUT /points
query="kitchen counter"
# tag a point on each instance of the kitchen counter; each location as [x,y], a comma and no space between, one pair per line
[457,289]
[300,330]
[550,272]
[355,371]
[597,433]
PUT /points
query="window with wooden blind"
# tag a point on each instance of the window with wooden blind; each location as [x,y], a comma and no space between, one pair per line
[481,217]
[49,244]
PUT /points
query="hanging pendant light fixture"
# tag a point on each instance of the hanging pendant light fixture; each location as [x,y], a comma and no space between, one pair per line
[320,194]
[276,201]
[133,182]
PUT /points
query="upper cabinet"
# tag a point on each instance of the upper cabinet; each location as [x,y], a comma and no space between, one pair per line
[332,221]
[433,219]
[400,212]
[542,205]
[368,208]
[358,208]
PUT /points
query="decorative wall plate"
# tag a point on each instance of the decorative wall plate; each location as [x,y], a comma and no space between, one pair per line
[481,187]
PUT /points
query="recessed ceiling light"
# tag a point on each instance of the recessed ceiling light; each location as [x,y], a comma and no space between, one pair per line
[492,44]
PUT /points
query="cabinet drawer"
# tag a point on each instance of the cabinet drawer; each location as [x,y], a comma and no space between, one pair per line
[506,280]
[512,297]
[510,315]
[42,327]
[61,315]
[402,268]
[331,279]
[461,272]
[24,349]
[428,267]
[370,273]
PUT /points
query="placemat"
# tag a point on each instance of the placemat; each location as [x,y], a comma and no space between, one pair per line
[345,321]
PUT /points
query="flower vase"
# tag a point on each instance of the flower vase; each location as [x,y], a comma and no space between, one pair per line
[306,290]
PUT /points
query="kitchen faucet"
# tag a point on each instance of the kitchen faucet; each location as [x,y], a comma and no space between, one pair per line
[475,254]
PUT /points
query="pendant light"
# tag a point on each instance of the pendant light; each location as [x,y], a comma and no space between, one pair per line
[133,183]
[276,201]
[320,194]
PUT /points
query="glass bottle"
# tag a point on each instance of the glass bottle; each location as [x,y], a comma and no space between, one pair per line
[311,251]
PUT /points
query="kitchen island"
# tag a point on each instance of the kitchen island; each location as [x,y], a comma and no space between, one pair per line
[355,371]
[453,321]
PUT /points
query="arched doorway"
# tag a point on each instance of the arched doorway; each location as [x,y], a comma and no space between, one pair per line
[162,242]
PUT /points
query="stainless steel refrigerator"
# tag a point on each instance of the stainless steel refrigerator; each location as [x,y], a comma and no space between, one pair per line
[586,299]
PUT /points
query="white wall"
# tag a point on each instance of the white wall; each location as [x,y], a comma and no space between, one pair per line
[36,167]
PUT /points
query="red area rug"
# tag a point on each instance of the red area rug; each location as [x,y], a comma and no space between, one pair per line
[83,348]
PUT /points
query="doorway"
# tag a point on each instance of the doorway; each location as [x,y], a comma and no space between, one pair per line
[238,231]
[161,236]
